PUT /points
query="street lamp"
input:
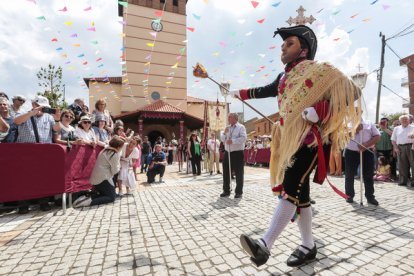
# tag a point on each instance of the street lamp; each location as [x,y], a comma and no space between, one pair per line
[360,79]
[224,89]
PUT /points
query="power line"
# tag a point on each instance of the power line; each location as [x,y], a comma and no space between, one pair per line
[395,53]
[399,32]
[392,91]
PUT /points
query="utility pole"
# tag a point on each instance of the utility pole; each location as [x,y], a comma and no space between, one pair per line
[380,76]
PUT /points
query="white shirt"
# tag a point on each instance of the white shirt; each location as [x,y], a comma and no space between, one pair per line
[213,145]
[364,135]
[400,135]
[87,136]
[237,134]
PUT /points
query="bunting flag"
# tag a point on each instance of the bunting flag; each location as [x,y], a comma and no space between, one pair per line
[150,44]
[355,15]
[122,3]
[64,9]
[372,3]
[74,35]
[68,23]
[386,7]
[175,65]
[196,16]
[88,8]
[41,17]
[190,29]
[76,45]
[81,55]
[158,13]
[54,40]
[254,4]
[276,4]
[92,29]
[261,21]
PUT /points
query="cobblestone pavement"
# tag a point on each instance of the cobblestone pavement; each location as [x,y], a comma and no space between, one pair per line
[182,227]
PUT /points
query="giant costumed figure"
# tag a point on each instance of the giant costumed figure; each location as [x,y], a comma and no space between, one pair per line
[316,104]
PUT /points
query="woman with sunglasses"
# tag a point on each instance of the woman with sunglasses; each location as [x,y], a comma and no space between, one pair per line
[67,132]
[15,108]
[84,131]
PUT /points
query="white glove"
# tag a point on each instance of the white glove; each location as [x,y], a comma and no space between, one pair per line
[309,114]
[234,93]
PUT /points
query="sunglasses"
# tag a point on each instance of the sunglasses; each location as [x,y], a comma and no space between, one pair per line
[68,117]
[20,99]
[86,122]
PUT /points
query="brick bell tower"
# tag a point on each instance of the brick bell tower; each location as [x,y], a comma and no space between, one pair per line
[155,56]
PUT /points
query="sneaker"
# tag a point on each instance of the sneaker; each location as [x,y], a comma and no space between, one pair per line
[372,201]
[85,203]
[79,200]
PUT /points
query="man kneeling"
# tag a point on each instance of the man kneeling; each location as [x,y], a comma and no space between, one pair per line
[157,162]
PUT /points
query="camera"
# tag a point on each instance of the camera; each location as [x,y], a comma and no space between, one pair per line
[49,110]
[157,158]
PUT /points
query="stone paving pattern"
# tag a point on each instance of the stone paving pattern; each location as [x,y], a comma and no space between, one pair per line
[182,227]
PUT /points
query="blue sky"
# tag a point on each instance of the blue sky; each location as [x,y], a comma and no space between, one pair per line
[227,39]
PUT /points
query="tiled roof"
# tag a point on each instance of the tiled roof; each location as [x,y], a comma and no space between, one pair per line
[161,106]
[194,100]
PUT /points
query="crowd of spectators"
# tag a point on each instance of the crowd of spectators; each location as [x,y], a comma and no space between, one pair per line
[77,125]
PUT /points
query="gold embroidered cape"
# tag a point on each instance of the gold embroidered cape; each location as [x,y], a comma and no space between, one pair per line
[306,84]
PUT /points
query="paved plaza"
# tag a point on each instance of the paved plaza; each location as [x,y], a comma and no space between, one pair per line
[183,227]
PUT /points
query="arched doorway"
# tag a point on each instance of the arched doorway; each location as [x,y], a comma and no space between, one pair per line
[153,135]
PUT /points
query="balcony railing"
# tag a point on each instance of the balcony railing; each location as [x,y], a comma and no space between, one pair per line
[404,82]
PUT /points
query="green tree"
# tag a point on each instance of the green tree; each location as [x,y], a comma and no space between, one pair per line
[392,116]
[50,81]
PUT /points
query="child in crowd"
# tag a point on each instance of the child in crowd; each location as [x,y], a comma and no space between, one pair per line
[129,156]
[383,172]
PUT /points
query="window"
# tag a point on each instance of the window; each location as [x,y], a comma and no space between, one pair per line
[175,3]
[162,1]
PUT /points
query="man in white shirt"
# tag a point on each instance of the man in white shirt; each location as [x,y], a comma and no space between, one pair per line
[366,137]
[234,137]
[213,146]
[402,141]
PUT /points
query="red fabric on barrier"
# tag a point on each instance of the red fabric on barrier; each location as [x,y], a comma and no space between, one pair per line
[250,156]
[30,171]
[79,163]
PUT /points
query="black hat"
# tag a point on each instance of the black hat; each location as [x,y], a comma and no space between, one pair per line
[301,31]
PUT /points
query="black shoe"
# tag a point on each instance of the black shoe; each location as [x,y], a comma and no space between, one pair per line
[219,172]
[312,201]
[211,173]
[224,194]
[373,201]
[23,210]
[402,184]
[298,258]
[45,207]
[259,254]
[238,196]
[350,200]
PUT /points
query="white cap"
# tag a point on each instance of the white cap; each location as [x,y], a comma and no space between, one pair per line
[85,118]
[19,97]
[42,101]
